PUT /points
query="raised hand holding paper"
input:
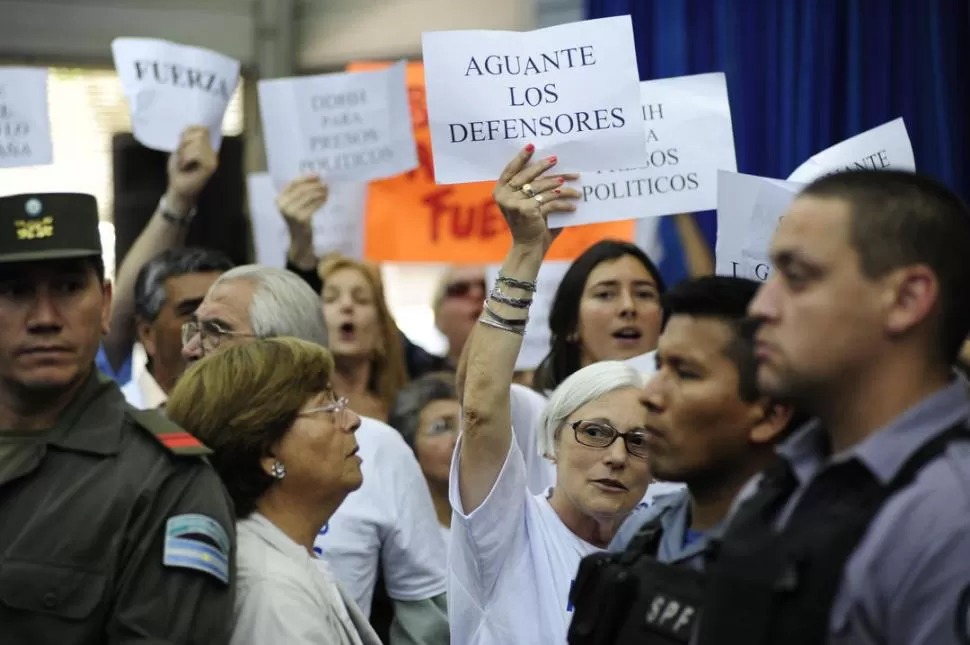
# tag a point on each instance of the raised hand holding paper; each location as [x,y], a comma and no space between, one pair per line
[338,226]
[170,87]
[748,211]
[535,344]
[571,90]
[689,138]
[25,129]
[886,146]
[352,126]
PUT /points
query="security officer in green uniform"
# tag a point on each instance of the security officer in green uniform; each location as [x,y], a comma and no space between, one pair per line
[113,527]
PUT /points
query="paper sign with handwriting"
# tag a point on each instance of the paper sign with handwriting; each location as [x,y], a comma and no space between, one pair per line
[338,226]
[688,139]
[748,211]
[535,344]
[25,127]
[170,87]
[886,146]
[570,90]
[352,126]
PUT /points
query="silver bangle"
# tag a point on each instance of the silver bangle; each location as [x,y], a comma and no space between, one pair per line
[512,322]
[497,295]
[525,285]
[173,217]
[497,325]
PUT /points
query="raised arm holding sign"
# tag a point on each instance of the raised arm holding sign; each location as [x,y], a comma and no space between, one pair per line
[572,90]
[170,87]
[25,130]
[352,126]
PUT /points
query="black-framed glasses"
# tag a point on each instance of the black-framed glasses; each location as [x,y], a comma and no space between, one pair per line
[598,434]
[209,333]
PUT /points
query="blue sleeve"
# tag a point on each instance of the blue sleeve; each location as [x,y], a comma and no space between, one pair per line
[122,376]
[640,516]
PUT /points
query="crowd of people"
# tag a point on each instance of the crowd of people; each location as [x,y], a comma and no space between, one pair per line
[288,467]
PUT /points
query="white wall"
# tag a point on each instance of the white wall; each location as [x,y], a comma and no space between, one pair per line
[82,30]
[332,32]
[328,33]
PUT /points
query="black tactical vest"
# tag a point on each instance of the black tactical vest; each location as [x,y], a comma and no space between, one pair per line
[630,597]
[767,587]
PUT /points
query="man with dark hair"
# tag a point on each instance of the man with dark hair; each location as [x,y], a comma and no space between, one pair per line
[862,532]
[709,426]
[168,290]
[114,529]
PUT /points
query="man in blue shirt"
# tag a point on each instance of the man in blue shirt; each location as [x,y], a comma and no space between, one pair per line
[709,426]
[862,536]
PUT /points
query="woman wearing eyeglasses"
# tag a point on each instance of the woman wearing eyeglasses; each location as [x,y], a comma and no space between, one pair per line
[514,555]
[428,416]
[284,447]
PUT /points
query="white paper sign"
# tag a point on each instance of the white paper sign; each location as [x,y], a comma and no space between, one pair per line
[646,364]
[25,127]
[170,87]
[352,126]
[886,146]
[748,211]
[688,139]
[535,344]
[570,90]
[338,226]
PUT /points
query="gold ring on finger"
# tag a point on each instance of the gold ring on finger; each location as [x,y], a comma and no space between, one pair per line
[539,198]
[527,189]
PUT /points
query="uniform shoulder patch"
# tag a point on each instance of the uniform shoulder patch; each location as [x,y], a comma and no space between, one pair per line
[172,437]
[198,542]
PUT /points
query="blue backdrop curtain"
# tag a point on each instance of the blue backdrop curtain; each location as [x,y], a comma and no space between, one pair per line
[805,74]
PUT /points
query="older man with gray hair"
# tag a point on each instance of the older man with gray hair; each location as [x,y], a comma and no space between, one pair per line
[391,518]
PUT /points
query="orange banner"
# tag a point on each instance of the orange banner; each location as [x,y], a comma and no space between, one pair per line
[412,219]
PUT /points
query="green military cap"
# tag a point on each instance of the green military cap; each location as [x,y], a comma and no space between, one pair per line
[48,226]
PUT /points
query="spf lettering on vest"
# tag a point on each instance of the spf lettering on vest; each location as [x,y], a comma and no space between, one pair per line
[184,77]
[671,616]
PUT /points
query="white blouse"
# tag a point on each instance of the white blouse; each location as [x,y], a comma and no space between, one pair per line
[284,596]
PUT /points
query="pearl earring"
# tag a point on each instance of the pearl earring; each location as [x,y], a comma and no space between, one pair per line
[279,470]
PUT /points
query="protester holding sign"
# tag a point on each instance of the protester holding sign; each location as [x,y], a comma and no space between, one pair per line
[513,555]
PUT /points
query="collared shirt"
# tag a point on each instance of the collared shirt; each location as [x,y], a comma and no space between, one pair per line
[144,392]
[908,581]
[285,596]
[678,544]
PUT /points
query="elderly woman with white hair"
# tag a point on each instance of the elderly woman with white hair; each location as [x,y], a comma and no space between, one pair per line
[514,555]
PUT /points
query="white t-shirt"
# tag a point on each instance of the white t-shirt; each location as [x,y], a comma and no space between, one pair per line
[527,406]
[389,519]
[511,564]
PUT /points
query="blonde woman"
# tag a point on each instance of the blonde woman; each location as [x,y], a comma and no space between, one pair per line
[285,449]
[364,339]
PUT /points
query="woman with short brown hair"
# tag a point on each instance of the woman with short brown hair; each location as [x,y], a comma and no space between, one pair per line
[284,447]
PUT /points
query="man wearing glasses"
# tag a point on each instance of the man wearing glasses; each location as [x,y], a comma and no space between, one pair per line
[390,522]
